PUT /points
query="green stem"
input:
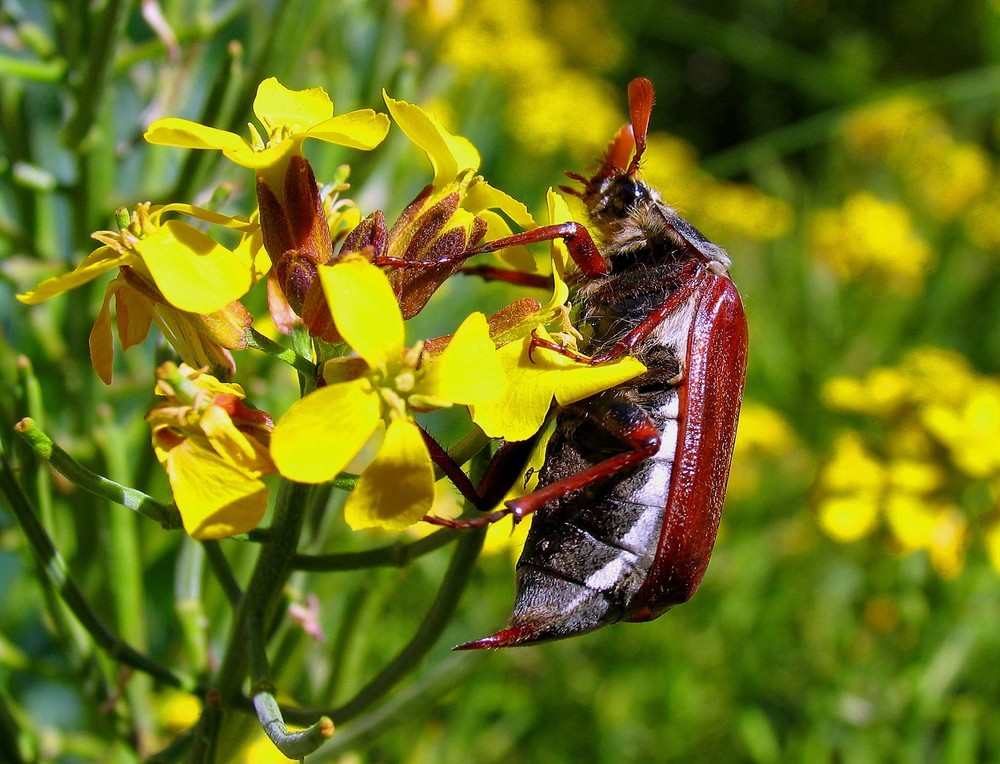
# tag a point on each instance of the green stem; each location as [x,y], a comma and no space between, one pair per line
[125,570]
[271,572]
[88,94]
[223,572]
[455,580]
[56,571]
[166,515]
[294,745]
[395,555]
[189,604]
[258,341]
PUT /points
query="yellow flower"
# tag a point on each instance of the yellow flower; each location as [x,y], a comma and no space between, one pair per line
[288,118]
[852,468]
[454,213]
[534,379]
[870,237]
[971,431]
[947,543]
[881,393]
[174,275]
[214,449]
[320,434]
[532,382]
[850,517]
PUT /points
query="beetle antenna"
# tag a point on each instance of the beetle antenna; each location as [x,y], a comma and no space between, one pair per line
[618,151]
[640,106]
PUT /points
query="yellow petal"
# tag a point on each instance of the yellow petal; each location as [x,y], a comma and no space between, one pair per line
[482,196]
[275,105]
[102,349]
[133,314]
[559,212]
[365,310]
[449,154]
[497,227]
[97,262]
[521,408]
[185,134]
[397,488]
[580,381]
[193,271]
[215,498]
[232,445]
[320,434]
[362,129]
[468,371]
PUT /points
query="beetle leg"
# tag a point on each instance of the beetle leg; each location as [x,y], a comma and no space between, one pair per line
[641,440]
[577,238]
[502,472]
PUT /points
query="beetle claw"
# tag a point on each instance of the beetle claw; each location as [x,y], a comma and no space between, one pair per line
[509,637]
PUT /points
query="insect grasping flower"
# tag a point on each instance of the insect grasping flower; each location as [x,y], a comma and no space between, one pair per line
[454,213]
[382,386]
[534,379]
[174,275]
[214,449]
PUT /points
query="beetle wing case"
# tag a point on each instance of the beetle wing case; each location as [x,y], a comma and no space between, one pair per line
[637,543]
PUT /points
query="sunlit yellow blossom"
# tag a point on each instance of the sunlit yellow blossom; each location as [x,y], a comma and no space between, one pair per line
[544,114]
[947,176]
[852,480]
[726,209]
[174,275]
[380,388]
[914,476]
[458,210]
[214,449]
[852,468]
[763,430]
[870,239]
[876,130]
[947,543]
[849,517]
[546,96]
[971,431]
[911,519]
[880,393]
[764,439]
[288,118]
[938,376]
[178,711]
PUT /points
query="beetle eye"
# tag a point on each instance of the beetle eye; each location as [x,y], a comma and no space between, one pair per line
[627,194]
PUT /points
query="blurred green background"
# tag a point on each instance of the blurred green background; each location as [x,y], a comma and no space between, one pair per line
[846,156]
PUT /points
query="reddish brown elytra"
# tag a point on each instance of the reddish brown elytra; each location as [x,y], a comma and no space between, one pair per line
[631,494]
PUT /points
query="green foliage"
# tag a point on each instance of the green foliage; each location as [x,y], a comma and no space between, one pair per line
[797,646]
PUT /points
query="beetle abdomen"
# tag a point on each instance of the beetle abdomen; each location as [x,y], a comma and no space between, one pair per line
[588,553]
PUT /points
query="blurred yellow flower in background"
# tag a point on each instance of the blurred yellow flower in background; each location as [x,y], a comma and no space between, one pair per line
[870,239]
[922,470]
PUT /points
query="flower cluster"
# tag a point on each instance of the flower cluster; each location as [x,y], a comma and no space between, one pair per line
[930,469]
[346,281]
[869,237]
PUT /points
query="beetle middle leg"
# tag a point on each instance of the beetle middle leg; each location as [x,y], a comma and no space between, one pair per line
[635,438]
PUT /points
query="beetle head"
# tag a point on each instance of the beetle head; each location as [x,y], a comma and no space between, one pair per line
[615,190]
